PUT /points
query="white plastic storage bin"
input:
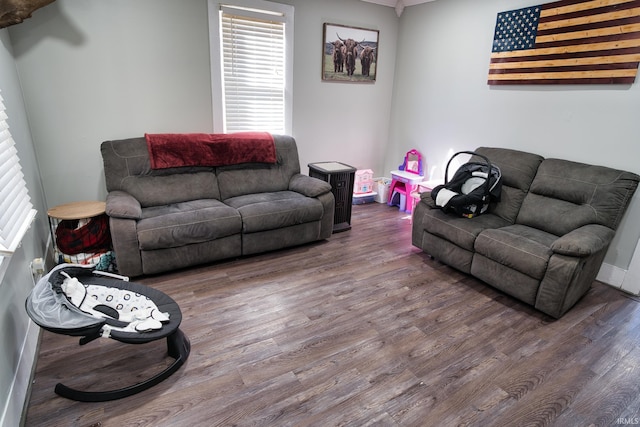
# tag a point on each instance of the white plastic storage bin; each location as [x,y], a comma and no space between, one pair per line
[382,185]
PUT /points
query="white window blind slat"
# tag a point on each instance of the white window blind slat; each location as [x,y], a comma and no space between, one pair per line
[19,209]
[16,210]
[7,156]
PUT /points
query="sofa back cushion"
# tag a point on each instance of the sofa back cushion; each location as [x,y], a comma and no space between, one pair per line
[566,195]
[251,178]
[127,168]
[518,169]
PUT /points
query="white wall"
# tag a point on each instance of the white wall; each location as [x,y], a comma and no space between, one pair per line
[344,122]
[97,70]
[18,335]
[442,104]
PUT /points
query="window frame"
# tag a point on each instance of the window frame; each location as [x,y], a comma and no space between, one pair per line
[217,73]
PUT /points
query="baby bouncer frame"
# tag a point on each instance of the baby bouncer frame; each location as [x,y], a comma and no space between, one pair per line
[51,308]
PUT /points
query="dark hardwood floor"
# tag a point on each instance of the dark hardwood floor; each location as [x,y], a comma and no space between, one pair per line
[362,329]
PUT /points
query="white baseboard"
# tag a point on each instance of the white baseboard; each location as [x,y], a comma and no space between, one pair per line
[14,408]
[618,278]
[611,275]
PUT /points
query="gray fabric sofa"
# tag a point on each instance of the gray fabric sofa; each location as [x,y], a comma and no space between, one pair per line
[165,219]
[545,241]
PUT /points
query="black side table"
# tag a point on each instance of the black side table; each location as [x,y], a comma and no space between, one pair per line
[341,177]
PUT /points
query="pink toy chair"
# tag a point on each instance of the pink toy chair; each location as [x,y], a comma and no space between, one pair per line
[404,181]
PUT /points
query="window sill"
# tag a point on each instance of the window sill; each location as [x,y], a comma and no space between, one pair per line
[5,256]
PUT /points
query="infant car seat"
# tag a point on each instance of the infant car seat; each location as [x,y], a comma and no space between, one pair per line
[473,187]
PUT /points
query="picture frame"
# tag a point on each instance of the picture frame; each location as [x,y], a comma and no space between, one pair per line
[349,54]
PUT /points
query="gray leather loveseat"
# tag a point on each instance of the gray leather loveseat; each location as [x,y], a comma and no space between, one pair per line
[165,219]
[545,241]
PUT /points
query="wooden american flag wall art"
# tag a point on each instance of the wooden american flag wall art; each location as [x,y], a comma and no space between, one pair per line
[567,42]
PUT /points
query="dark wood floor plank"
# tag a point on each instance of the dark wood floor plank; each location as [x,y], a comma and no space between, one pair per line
[621,380]
[361,329]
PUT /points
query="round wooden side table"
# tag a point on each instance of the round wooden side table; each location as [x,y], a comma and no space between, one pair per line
[77,210]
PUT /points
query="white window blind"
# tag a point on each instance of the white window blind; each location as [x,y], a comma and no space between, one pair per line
[253,57]
[252,64]
[16,211]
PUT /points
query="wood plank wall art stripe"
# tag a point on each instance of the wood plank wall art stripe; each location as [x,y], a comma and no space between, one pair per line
[567,42]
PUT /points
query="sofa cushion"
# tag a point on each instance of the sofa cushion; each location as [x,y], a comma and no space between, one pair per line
[518,169]
[508,280]
[519,247]
[566,195]
[252,178]
[458,230]
[127,168]
[185,223]
[162,190]
[268,211]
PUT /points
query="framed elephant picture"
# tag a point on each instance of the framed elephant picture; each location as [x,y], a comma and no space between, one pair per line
[349,54]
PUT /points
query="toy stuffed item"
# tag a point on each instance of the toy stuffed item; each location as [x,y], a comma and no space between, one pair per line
[83,236]
[141,313]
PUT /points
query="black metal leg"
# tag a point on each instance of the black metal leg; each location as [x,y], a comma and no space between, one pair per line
[178,347]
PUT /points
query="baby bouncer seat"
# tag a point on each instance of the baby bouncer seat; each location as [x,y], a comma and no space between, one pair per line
[473,187]
[76,300]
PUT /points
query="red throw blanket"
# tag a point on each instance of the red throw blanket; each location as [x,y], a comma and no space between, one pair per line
[91,237]
[201,149]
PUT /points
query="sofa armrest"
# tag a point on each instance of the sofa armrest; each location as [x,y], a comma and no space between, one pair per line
[428,200]
[308,186]
[123,205]
[584,241]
